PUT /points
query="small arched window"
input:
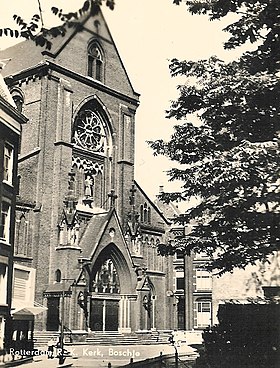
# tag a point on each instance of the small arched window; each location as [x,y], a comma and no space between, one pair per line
[95,62]
[145,212]
[58,276]
[18,99]
[142,213]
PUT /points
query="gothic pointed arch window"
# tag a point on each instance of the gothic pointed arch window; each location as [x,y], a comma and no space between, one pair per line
[95,61]
[106,279]
[92,141]
[145,213]
[57,275]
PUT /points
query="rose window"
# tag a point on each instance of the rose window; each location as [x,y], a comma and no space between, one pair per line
[89,132]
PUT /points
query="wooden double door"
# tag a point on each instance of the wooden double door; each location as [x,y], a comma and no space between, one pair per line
[104,315]
[53,314]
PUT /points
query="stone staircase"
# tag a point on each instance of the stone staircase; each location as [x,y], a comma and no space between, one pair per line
[111,338]
[116,338]
[104,338]
[41,338]
[153,337]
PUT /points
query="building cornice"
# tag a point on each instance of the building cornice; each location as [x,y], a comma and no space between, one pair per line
[47,67]
[13,113]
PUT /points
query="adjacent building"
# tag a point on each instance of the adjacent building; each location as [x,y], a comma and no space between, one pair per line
[192,284]
[11,121]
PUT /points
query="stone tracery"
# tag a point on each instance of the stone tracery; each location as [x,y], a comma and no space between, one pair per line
[89,131]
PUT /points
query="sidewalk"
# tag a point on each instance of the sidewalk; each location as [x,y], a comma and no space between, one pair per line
[98,356]
[40,362]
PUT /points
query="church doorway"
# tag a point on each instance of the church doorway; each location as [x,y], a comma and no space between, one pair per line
[53,314]
[104,315]
[105,298]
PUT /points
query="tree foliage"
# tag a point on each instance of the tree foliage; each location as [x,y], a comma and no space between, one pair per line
[230,158]
[42,36]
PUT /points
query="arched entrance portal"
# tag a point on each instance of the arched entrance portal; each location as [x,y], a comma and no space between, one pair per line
[110,292]
[105,298]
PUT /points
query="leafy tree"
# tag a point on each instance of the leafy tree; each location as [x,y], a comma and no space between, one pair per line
[42,36]
[230,158]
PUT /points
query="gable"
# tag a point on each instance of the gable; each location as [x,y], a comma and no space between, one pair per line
[71,52]
[143,202]
[103,229]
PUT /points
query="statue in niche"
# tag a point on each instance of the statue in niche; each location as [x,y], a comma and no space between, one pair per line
[88,186]
[89,183]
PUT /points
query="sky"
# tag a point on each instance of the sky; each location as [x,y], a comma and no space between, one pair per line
[148,34]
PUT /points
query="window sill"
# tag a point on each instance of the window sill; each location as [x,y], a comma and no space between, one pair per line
[6,182]
[5,241]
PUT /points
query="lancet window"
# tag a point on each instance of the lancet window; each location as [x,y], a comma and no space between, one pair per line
[95,62]
[145,213]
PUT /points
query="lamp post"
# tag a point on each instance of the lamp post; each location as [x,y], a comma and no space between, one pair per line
[61,356]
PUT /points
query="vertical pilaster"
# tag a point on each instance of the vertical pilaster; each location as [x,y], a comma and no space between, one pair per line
[188,270]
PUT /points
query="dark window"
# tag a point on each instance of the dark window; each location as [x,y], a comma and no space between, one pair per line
[145,212]
[90,65]
[5,221]
[18,100]
[8,163]
[58,276]
[98,74]
[180,283]
[141,213]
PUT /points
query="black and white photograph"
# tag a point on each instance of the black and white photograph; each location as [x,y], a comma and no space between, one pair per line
[140,183]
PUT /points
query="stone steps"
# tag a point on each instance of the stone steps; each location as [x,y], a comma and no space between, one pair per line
[41,338]
[115,338]
[104,338]
[111,338]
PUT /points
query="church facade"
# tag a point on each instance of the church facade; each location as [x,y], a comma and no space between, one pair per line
[82,221]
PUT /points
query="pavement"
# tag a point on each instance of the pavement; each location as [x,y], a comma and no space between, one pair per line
[95,356]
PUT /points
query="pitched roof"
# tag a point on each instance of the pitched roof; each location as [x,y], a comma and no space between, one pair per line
[26,54]
[93,233]
[5,93]
[33,54]
[153,204]
[168,209]
[22,56]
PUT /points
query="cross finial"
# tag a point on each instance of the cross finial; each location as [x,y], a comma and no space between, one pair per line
[112,196]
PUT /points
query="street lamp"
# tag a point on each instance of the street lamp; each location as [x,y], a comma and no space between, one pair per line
[61,356]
